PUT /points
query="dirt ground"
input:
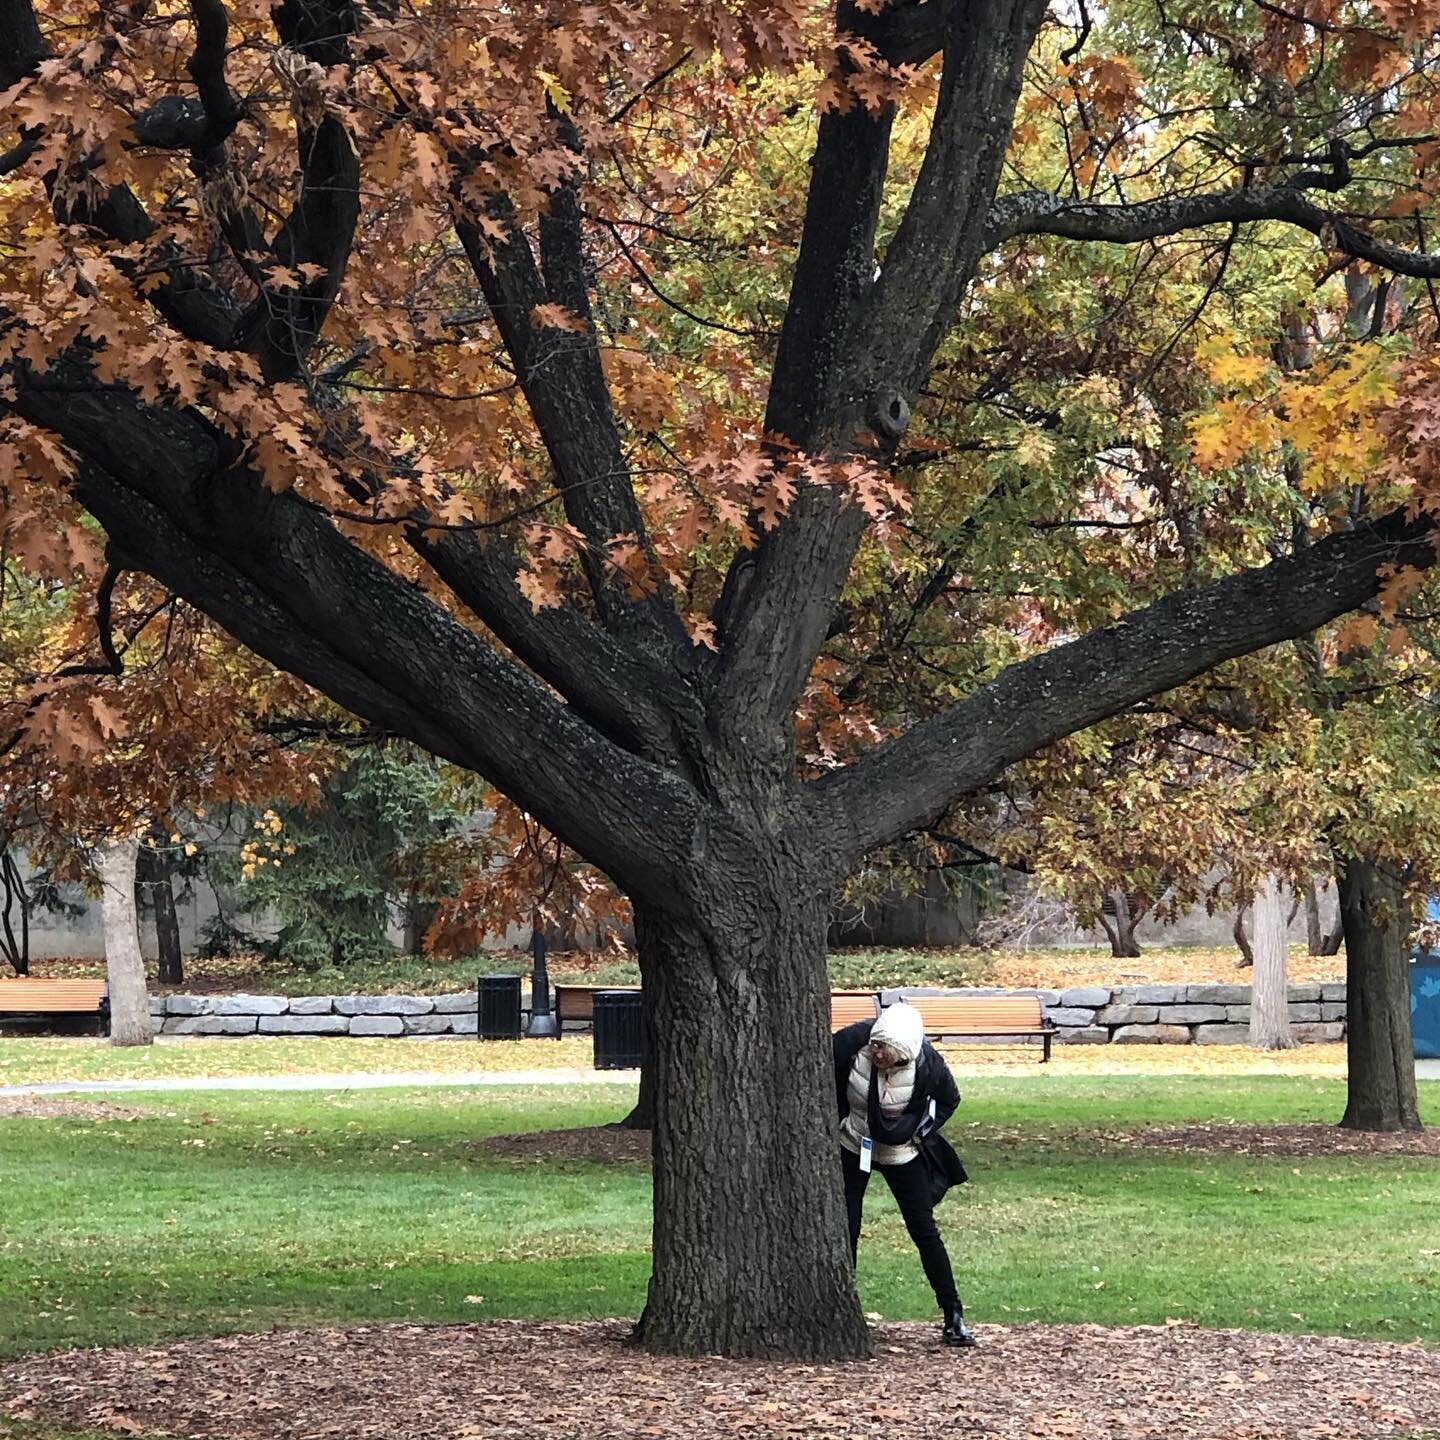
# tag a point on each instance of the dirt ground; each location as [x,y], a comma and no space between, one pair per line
[608,1144]
[520,1380]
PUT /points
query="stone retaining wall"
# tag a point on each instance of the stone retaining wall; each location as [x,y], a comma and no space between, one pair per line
[316,1014]
[1084,1014]
[1171,1014]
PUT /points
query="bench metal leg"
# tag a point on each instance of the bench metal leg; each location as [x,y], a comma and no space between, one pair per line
[1044,1058]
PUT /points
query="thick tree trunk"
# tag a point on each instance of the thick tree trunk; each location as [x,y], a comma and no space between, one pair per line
[1269,998]
[1381,1044]
[750,1249]
[154,871]
[130,1022]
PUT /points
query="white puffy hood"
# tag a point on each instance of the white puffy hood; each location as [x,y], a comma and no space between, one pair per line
[902,1028]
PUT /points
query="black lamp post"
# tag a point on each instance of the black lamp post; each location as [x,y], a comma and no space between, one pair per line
[543,1023]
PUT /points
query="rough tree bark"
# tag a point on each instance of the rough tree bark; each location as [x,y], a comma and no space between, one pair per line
[1381,1092]
[749,1225]
[155,872]
[1269,997]
[130,1022]
[670,766]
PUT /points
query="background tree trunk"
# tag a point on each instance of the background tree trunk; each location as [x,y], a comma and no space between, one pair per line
[419,916]
[16,911]
[1380,1043]
[130,1022]
[750,1249]
[1119,915]
[1242,940]
[155,872]
[1269,1000]
[1323,938]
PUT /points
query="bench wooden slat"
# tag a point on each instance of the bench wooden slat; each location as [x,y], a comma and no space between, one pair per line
[577,1002]
[849,1006]
[39,996]
[984,1015]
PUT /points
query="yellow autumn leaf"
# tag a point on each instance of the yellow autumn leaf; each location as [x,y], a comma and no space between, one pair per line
[555,92]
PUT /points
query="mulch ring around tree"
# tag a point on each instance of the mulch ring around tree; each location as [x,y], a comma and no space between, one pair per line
[1288,1141]
[610,1145]
[602,1144]
[56,1107]
[520,1380]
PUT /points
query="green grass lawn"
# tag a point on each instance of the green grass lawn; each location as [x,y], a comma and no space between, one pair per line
[246,1210]
[35,1060]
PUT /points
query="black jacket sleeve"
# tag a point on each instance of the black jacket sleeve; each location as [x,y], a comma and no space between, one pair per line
[846,1044]
[941,1085]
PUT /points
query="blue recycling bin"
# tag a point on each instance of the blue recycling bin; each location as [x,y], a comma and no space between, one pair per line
[1425,994]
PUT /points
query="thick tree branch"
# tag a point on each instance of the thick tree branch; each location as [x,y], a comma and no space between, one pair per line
[778,597]
[22,43]
[1041,213]
[909,782]
[909,32]
[641,705]
[285,321]
[938,244]
[565,386]
[191,304]
[854,350]
[283,580]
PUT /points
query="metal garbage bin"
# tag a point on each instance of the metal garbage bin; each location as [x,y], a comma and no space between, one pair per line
[1425,1003]
[499,1007]
[620,1038]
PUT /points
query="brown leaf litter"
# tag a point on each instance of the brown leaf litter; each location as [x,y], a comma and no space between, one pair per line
[1290,1141]
[57,1107]
[603,1144]
[522,1380]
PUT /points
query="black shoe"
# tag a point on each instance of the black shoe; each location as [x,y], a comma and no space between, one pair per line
[956,1331]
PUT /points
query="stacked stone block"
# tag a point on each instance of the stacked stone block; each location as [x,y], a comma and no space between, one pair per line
[359,1015]
[1083,1014]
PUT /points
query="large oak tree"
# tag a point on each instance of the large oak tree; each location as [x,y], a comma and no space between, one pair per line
[333,315]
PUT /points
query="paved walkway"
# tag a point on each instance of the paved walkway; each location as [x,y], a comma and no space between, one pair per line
[330,1082]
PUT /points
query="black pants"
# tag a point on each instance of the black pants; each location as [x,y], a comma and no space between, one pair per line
[912,1194]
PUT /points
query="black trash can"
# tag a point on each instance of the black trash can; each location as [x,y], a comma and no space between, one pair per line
[499,1007]
[620,1038]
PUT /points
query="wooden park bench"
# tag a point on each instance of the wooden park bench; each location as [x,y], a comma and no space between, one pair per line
[35,996]
[849,1006]
[984,1016]
[577,1002]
